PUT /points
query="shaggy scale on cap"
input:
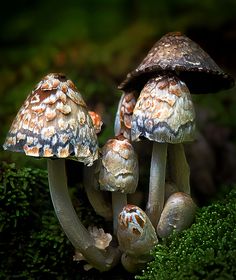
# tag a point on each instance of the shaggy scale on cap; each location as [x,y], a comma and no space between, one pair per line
[164,112]
[54,122]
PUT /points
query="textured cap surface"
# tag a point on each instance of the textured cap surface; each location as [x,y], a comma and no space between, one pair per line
[97,121]
[136,234]
[176,52]
[54,122]
[119,166]
[164,112]
[124,114]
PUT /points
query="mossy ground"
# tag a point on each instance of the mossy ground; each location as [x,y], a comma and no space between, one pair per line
[33,245]
[207,250]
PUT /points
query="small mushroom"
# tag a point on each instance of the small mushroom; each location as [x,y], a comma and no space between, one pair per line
[124,115]
[54,123]
[178,214]
[99,200]
[118,172]
[136,236]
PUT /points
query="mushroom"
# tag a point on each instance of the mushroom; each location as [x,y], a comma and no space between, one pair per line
[177,56]
[178,214]
[124,115]
[136,236]
[164,113]
[54,123]
[98,199]
[118,173]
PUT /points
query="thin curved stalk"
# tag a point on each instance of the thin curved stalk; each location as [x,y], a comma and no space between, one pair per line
[119,200]
[96,198]
[72,226]
[179,168]
[157,182]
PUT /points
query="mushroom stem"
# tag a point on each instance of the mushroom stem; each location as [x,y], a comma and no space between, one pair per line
[157,182]
[96,198]
[179,168]
[77,234]
[119,200]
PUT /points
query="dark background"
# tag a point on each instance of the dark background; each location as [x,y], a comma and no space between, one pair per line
[96,43]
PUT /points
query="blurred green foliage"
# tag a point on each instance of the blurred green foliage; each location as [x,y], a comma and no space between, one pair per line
[97,42]
[207,250]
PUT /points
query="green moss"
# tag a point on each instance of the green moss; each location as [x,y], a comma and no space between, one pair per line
[205,251]
[33,246]
[32,243]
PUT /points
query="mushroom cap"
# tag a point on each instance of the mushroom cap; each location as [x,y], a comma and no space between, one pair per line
[119,166]
[54,122]
[97,121]
[136,234]
[178,214]
[124,114]
[177,53]
[164,112]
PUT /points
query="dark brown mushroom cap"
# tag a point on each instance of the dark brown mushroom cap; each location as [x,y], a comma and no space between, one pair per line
[54,122]
[175,52]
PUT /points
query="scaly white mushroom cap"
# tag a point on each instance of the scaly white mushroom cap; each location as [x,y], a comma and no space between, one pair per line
[164,111]
[54,122]
[119,166]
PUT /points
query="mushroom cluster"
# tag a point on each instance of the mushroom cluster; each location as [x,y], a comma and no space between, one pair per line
[55,123]
[162,84]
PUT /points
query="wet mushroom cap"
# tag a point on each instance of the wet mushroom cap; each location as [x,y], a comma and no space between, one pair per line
[54,122]
[119,166]
[136,235]
[178,214]
[177,53]
[164,112]
[124,114]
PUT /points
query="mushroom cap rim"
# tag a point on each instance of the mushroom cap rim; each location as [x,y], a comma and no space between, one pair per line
[199,81]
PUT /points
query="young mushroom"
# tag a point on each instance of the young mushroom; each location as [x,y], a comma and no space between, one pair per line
[54,123]
[118,172]
[124,115]
[178,214]
[176,56]
[136,236]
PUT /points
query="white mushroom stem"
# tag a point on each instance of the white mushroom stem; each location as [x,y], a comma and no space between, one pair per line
[96,198]
[119,200]
[179,168]
[77,234]
[157,182]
